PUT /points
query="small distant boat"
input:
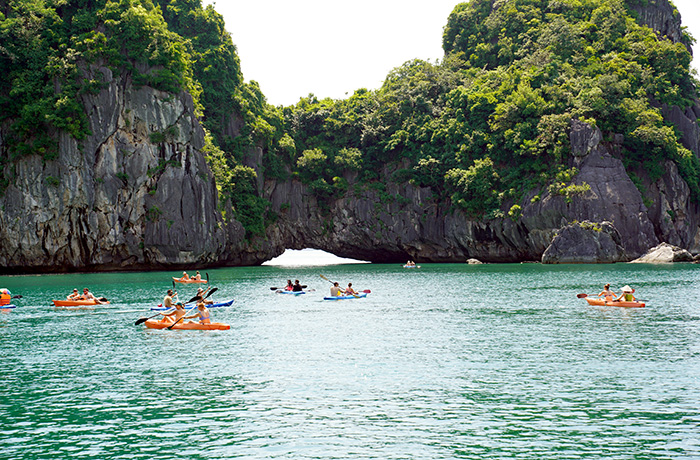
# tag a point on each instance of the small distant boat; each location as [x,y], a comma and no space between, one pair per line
[411,266]
[188,281]
[613,303]
[294,293]
[76,303]
[347,297]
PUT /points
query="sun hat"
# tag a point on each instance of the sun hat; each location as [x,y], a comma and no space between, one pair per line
[627,289]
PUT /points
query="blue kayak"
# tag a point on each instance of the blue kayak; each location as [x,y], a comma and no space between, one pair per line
[214,305]
[345,297]
[279,291]
[4,307]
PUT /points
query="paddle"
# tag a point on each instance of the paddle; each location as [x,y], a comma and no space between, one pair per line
[179,319]
[195,298]
[18,296]
[143,320]
[581,296]
[332,282]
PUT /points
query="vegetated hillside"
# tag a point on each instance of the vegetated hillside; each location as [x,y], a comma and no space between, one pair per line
[47,49]
[102,146]
[490,122]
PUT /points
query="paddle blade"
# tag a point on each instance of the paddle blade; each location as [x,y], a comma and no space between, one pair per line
[102,299]
[18,296]
[274,288]
[194,299]
[367,291]
[213,290]
[140,321]
[581,296]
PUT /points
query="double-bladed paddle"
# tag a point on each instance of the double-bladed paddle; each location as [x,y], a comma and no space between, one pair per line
[332,282]
[143,320]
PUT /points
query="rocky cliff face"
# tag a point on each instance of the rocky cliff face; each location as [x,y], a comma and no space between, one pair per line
[137,193]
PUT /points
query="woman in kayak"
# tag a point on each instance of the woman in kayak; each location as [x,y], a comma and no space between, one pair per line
[173,316]
[185,276]
[349,290]
[74,296]
[627,295]
[201,292]
[607,293]
[202,313]
[289,286]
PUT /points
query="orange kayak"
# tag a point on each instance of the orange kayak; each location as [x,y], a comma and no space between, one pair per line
[76,303]
[612,303]
[186,325]
[189,281]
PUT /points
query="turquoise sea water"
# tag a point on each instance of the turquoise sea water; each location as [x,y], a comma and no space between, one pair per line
[446,361]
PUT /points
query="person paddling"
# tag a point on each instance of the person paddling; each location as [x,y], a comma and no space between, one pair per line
[87,295]
[627,295]
[607,293]
[168,299]
[289,286]
[297,287]
[350,291]
[175,315]
[336,290]
[74,296]
[202,313]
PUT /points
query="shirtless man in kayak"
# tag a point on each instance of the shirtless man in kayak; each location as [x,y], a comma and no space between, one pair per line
[175,315]
[87,295]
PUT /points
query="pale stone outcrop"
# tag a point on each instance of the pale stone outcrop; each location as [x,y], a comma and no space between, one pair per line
[665,253]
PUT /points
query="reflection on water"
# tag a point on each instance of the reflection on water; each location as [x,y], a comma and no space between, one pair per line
[442,362]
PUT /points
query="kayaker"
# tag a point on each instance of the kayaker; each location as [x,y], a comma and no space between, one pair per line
[202,313]
[174,315]
[349,290]
[297,287]
[87,295]
[336,290]
[168,299]
[201,292]
[627,295]
[197,277]
[74,296]
[289,286]
[607,293]
[185,276]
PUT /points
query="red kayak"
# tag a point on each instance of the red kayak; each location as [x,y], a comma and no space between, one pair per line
[186,325]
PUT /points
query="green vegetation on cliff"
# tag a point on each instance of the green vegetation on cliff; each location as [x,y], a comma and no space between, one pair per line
[491,121]
[483,127]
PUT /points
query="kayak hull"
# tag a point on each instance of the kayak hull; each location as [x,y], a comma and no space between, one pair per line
[190,281]
[7,307]
[291,292]
[347,297]
[228,303]
[608,303]
[76,303]
[187,325]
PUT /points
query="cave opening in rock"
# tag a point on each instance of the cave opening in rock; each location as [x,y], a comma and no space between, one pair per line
[310,256]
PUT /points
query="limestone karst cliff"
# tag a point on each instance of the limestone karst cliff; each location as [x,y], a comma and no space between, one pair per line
[137,192]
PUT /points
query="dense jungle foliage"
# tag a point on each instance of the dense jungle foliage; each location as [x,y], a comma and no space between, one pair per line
[490,121]
[482,127]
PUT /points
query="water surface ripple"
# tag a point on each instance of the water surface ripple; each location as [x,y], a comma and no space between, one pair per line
[442,362]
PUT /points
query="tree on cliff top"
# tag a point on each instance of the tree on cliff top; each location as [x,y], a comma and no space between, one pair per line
[515,73]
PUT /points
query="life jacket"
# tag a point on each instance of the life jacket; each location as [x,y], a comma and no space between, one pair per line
[5,296]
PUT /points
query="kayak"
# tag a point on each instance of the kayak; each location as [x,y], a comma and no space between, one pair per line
[160,307]
[8,306]
[189,281]
[411,266]
[279,291]
[186,325]
[345,297]
[612,303]
[76,303]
